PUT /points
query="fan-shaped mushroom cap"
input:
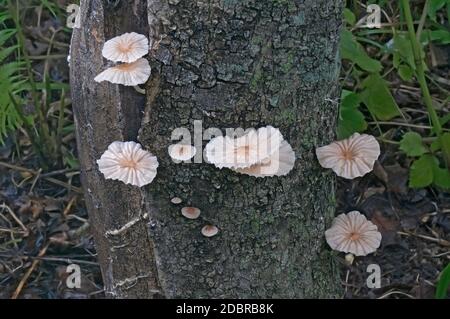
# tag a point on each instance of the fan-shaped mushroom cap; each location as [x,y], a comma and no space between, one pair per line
[245,151]
[128,74]
[129,163]
[190,212]
[182,152]
[210,231]
[352,157]
[353,233]
[278,164]
[128,47]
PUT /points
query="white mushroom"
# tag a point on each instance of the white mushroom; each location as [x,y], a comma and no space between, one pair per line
[128,74]
[129,163]
[352,157]
[353,233]
[182,152]
[128,47]
[278,164]
[176,200]
[252,148]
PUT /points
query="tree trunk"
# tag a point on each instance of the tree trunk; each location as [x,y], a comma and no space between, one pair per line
[216,64]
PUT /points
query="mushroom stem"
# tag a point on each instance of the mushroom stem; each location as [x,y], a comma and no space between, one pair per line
[139,89]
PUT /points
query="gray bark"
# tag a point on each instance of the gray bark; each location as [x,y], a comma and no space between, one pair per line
[105,113]
[229,64]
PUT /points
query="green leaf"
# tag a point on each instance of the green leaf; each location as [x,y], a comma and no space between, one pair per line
[378,99]
[434,6]
[351,50]
[445,147]
[4,53]
[351,120]
[71,160]
[349,17]
[403,50]
[6,34]
[421,173]
[443,120]
[441,177]
[412,144]
[440,36]
[405,72]
[443,283]
[435,146]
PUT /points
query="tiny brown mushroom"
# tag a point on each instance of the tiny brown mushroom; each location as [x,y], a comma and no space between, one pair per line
[209,231]
[190,212]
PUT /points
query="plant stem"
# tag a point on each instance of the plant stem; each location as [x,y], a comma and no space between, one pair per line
[28,129]
[60,123]
[420,71]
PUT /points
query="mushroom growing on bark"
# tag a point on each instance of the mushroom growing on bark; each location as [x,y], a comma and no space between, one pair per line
[129,163]
[210,231]
[190,212]
[128,47]
[128,74]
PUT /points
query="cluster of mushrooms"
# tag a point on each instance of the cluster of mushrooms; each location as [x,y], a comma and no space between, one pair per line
[259,153]
[127,50]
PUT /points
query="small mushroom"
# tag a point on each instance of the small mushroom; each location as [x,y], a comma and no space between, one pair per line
[349,258]
[209,231]
[353,233]
[190,212]
[182,152]
[128,74]
[129,163]
[352,157]
[127,48]
[176,200]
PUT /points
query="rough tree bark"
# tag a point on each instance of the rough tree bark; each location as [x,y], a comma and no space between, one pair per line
[229,64]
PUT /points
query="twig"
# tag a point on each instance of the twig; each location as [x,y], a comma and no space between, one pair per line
[29,272]
[49,179]
[396,293]
[35,180]
[59,172]
[13,231]
[67,260]
[439,241]
[425,127]
[69,206]
[18,221]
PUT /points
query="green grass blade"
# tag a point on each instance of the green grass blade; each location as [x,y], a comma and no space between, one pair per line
[443,284]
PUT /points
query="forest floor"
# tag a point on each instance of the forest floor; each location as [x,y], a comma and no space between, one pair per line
[44,225]
[44,228]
